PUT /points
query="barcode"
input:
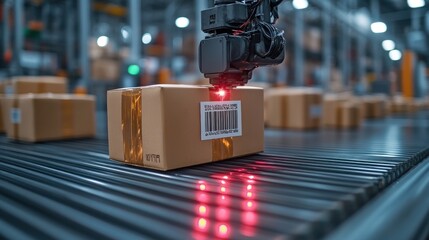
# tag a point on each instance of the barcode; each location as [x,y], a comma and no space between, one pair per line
[220,119]
[315,111]
[15,115]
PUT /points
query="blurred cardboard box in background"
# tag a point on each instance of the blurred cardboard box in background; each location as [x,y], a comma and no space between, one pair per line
[349,115]
[296,108]
[35,84]
[30,84]
[342,111]
[46,117]
[375,106]
[106,69]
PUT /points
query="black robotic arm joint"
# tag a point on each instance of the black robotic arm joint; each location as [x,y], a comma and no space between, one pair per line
[242,36]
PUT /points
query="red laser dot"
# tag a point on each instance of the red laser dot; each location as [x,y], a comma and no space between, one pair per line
[223,182]
[249,204]
[202,209]
[202,223]
[223,197]
[225,177]
[249,187]
[251,177]
[223,229]
[221,93]
[249,194]
[202,187]
[223,189]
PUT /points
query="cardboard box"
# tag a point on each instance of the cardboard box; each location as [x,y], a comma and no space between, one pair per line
[349,114]
[45,117]
[297,108]
[342,111]
[2,83]
[399,105]
[362,108]
[160,126]
[39,84]
[375,106]
[406,105]
[2,130]
[106,69]
[331,103]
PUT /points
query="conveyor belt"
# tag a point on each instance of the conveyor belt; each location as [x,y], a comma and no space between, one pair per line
[303,187]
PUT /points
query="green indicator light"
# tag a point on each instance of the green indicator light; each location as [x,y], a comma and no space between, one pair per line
[133,69]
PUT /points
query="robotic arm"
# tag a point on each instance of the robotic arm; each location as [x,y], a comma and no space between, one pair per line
[241,37]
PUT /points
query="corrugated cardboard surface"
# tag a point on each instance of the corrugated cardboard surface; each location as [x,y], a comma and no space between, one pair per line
[171,125]
[33,84]
[294,108]
[45,117]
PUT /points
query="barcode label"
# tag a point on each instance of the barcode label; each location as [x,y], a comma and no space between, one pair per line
[220,119]
[15,115]
[315,111]
[9,90]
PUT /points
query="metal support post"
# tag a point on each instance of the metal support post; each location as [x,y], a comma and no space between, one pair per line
[199,34]
[327,46]
[19,36]
[135,10]
[70,36]
[299,48]
[375,10]
[84,17]
[361,65]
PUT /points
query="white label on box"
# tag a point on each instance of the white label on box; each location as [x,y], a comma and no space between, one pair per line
[15,115]
[315,111]
[220,119]
[9,90]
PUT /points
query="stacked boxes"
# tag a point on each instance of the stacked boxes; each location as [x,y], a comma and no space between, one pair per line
[342,111]
[20,85]
[106,65]
[46,117]
[171,126]
[296,108]
[38,109]
[44,84]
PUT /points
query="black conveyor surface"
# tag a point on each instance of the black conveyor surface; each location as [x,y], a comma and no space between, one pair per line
[303,186]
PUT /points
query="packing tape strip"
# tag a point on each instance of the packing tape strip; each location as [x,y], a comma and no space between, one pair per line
[67,118]
[131,110]
[222,148]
